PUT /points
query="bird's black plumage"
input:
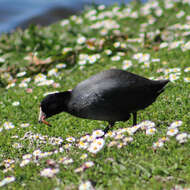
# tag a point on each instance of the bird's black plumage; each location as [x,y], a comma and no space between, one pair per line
[110,95]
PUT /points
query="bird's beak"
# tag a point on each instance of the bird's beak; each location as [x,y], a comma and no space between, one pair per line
[42,117]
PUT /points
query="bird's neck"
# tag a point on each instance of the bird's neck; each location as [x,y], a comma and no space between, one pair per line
[63,100]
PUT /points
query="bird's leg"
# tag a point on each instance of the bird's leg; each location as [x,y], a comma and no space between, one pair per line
[111,124]
[134,118]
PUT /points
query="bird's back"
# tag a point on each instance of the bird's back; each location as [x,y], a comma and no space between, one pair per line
[112,95]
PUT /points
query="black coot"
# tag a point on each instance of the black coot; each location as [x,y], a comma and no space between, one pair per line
[111,95]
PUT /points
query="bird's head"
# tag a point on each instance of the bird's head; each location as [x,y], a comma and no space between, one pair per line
[53,104]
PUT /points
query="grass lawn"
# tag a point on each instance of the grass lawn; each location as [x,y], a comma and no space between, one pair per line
[152,40]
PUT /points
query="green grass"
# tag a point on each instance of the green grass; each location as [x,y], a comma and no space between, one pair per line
[134,166]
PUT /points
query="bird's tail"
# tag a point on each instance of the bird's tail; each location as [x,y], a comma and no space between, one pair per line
[159,86]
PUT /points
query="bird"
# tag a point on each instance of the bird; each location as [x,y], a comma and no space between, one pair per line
[111,95]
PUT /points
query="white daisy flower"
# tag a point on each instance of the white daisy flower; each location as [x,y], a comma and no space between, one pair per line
[96,146]
[90,13]
[7,163]
[82,145]
[101,7]
[2,59]
[127,139]
[39,78]
[100,142]
[23,84]
[25,80]
[187,69]
[88,164]
[120,53]
[181,138]
[123,45]
[66,49]
[8,125]
[113,143]
[45,82]
[173,77]
[16,103]
[117,44]
[37,152]
[61,66]
[110,134]
[147,124]
[134,14]
[83,56]
[144,58]
[92,59]
[80,169]
[166,71]
[186,34]
[21,74]
[7,180]
[163,139]
[64,22]
[137,56]
[67,146]
[158,144]
[65,160]
[12,84]
[14,137]
[70,139]
[169,4]
[83,156]
[56,85]
[81,40]
[24,125]
[127,64]
[150,131]
[7,76]
[180,14]
[155,60]
[186,46]
[53,72]
[97,133]
[116,58]
[120,144]
[61,149]
[146,65]
[49,172]
[119,136]
[82,62]
[45,154]
[108,51]
[172,132]
[26,156]
[175,70]
[132,130]
[56,140]
[186,79]
[121,131]
[84,138]
[103,31]
[175,44]
[175,124]
[163,45]
[158,12]
[25,162]
[90,138]
[86,186]
[17,145]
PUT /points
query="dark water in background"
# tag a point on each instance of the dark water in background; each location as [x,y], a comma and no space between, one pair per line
[14,13]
